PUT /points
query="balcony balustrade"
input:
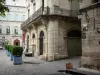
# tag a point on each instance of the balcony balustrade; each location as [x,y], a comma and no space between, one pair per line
[48,11]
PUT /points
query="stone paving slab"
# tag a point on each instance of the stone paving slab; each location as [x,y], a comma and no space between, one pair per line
[33,66]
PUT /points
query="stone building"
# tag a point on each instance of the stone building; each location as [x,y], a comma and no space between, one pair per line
[10,31]
[90,23]
[52,30]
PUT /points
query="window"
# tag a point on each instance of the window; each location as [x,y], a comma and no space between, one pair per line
[16,30]
[16,17]
[0,29]
[8,16]
[34,7]
[33,36]
[8,30]
[23,17]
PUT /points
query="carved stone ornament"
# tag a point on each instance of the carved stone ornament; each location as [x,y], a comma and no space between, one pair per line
[44,22]
[83,35]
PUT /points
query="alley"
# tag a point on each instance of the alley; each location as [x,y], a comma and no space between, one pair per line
[33,66]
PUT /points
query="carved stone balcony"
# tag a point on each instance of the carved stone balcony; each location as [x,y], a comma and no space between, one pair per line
[46,11]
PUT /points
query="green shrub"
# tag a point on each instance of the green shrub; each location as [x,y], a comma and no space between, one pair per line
[17,51]
[10,48]
[6,47]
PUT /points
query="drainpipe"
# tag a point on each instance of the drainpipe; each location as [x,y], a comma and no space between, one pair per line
[42,6]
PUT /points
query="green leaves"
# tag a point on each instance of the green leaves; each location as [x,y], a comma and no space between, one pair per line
[3,8]
[75,0]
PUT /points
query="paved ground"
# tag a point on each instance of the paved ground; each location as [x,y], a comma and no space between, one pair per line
[33,66]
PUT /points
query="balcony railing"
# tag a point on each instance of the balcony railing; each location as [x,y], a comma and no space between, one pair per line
[32,17]
[49,11]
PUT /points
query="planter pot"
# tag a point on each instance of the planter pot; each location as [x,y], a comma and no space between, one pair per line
[6,52]
[11,57]
[17,60]
[9,54]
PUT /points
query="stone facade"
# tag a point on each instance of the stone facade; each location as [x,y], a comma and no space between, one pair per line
[90,24]
[46,32]
[10,24]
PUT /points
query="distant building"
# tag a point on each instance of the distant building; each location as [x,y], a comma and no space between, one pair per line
[90,23]
[10,30]
[52,30]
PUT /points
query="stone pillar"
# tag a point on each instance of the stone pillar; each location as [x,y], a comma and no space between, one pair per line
[52,38]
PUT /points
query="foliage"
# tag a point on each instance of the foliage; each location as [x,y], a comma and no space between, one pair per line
[7,47]
[3,8]
[10,48]
[17,51]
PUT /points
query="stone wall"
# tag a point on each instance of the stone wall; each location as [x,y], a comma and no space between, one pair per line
[91,42]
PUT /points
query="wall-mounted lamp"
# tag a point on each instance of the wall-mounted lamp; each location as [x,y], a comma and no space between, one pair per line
[80,16]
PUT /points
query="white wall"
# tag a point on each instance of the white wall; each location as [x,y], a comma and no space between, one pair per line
[16,3]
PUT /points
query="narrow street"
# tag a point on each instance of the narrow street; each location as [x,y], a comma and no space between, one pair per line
[33,66]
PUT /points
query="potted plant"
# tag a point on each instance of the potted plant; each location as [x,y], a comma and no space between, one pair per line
[6,49]
[17,52]
[10,50]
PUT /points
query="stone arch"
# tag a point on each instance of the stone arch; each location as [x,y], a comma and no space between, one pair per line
[41,42]
[17,42]
[74,47]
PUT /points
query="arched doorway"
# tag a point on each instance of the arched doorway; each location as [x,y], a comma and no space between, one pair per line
[17,42]
[74,47]
[41,42]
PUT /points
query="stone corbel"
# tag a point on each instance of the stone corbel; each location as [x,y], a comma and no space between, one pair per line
[44,22]
[28,30]
[34,26]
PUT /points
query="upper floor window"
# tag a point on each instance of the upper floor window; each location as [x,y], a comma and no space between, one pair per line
[14,0]
[16,30]
[8,30]
[8,16]
[0,29]
[34,7]
[33,36]
[16,17]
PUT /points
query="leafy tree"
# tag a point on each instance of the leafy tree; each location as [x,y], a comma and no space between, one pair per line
[3,8]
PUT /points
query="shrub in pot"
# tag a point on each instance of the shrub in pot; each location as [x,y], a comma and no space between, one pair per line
[10,50]
[17,52]
[6,49]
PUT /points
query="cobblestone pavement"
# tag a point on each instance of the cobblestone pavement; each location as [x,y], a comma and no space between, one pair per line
[33,66]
